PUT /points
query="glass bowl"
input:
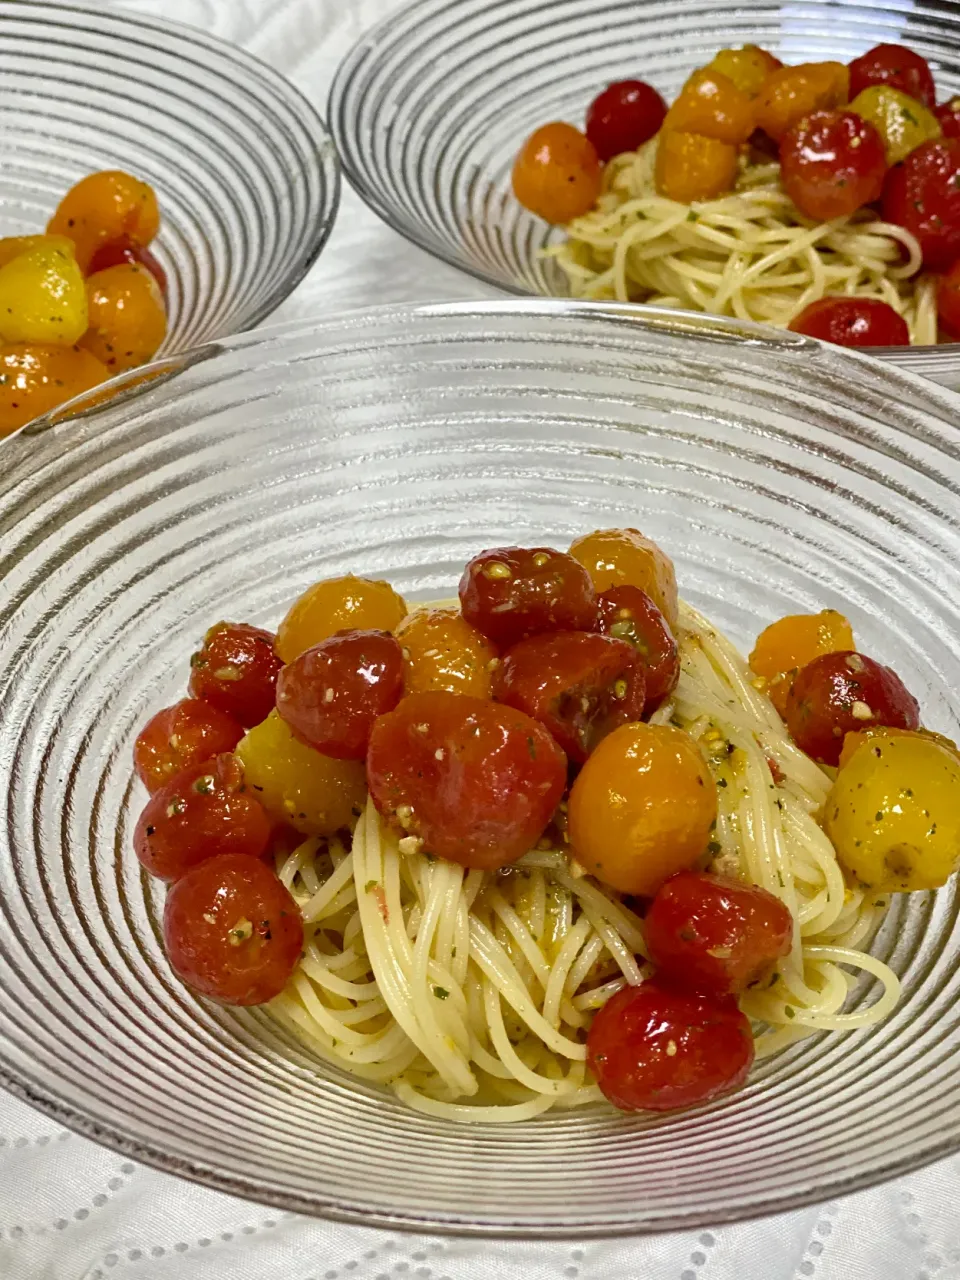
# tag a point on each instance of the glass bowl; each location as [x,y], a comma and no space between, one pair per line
[780,475]
[244,170]
[429,109]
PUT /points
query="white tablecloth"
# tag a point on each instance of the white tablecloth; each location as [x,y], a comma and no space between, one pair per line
[72,1211]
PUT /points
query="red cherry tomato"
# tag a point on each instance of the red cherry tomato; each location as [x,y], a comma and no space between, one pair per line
[202,812]
[831,163]
[579,685]
[896,66]
[625,116]
[627,613]
[948,301]
[115,252]
[922,194]
[715,934]
[514,592]
[236,671]
[468,779]
[658,1048]
[331,695]
[948,113]
[232,931]
[853,322]
[186,734]
[839,693]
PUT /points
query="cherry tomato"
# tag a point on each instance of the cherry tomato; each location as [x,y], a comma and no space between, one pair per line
[103,207]
[902,122]
[624,557]
[128,320]
[235,669]
[748,68]
[790,93]
[791,642]
[714,933]
[948,301]
[831,163]
[711,105]
[464,778]
[853,322]
[691,167]
[657,1048]
[948,114]
[202,812]
[232,931]
[112,253]
[627,613]
[179,737]
[625,116]
[338,604]
[557,174]
[839,693]
[35,378]
[331,695]
[923,195]
[442,651]
[897,66]
[510,593]
[579,685]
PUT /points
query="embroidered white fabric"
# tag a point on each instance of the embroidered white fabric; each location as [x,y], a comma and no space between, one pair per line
[70,1210]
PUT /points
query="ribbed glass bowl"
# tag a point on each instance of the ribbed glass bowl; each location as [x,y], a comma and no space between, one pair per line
[780,475]
[243,168]
[429,109]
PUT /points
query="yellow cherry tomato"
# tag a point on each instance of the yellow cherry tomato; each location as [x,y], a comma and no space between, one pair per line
[338,604]
[893,813]
[34,379]
[691,167]
[853,741]
[792,642]
[106,206]
[557,174]
[12,246]
[711,105]
[313,793]
[128,320]
[790,93]
[747,68]
[442,651]
[43,297]
[901,121]
[642,807]
[625,558]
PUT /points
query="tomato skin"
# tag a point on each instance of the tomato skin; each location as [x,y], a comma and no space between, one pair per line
[714,933]
[948,300]
[474,781]
[557,174]
[790,93]
[625,116]
[128,319]
[442,651]
[657,1048]
[179,737]
[923,195]
[35,378]
[628,613]
[578,685]
[337,604]
[897,66]
[202,812]
[232,931]
[126,249]
[852,322]
[510,593]
[711,105]
[235,670]
[948,114]
[831,163]
[839,693]
[625,557]
[331,695]
[690,167]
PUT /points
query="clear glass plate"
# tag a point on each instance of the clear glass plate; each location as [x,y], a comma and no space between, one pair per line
[429,109]
[779,474]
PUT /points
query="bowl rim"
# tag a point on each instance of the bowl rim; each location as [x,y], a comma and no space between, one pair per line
[15,1081]
[323,155]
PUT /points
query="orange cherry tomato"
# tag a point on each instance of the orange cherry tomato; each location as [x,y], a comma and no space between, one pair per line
[794,92]
[625,558]
[36,378]
[557,174]
[747,68]
[711,104]
[441,651]
[791,642]
[338,604]
[128,320]
[106,206]
[691,167]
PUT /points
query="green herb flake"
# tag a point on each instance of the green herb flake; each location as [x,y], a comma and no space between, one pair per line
[371,885]
[441,993]
[788,1011]
[693,216]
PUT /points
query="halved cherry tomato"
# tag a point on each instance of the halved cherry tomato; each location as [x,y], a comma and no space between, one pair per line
[232,931]
[711,105]
[331,695]
[714,933]
[202,812]
[627,613]
[557,174]
[831,163]
[691,167]
[948,300]
[853,322]
[923,195]
[125,249]
[897,66]
[948,114]
[579,685]
[625,116]
[839,693]
[236,670]
[181,736]
[510,593]
[657,1048]
[790,93]
[464,778]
